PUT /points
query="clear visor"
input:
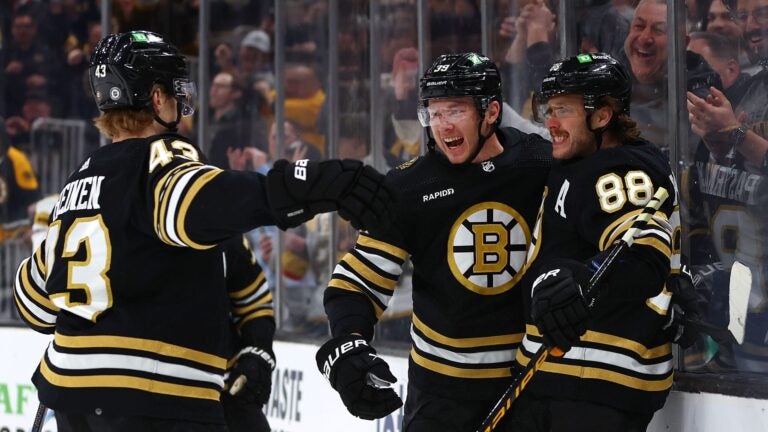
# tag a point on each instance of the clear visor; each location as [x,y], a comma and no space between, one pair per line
[185,93]
[429,116]
[543,110]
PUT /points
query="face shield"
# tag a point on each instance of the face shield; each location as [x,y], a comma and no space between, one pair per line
[185,93]
[430,116]
[542,111]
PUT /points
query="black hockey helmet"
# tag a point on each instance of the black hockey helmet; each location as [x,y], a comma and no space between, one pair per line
[460,75]
[591,75]
[125,66]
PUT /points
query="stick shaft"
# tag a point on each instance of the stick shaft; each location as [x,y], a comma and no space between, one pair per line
[37,425]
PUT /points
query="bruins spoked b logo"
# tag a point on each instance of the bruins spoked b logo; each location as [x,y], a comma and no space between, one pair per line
[487,248]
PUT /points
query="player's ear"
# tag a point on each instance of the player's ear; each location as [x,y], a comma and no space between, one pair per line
[602,116]
[159,98]
[493,112]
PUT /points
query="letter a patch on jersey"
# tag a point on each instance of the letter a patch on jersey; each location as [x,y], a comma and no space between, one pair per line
[560,203]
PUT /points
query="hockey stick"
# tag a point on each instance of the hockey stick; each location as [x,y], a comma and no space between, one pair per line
[590,295]
[738,299]
[37,425]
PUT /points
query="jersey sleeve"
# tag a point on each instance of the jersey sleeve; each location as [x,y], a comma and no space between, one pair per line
[32,301]
[197,205]
[362,285]
[613,202]
[251,300]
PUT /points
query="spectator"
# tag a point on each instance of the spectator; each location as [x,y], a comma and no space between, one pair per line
[36,105]
[728,181]
[253,69]
[253,64]
[403,134]
[722,55]
[645,52]
[304,103]
[532,48]
[722,20]
[228,123]
[79,103]
[26,63]
[18,183]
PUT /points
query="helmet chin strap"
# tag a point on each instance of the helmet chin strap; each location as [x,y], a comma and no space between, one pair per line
[172,126]
[480,143]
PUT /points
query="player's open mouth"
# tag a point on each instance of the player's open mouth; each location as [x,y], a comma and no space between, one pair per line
[558,138]
[453,142]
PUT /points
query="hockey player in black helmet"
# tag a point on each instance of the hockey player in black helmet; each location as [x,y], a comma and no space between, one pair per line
[464,217]
[470,77]
[617,367]
[130,278]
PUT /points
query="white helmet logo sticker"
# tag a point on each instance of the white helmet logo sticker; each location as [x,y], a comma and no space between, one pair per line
[114,93]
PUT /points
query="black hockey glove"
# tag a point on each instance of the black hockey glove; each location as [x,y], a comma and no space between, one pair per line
[250,378]
[558,307]
[687,306]
[298,191]
[362,379]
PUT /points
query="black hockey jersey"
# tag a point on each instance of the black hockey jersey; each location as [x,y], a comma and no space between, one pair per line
[253,314]
[623,360]
[466,230]
[130,281]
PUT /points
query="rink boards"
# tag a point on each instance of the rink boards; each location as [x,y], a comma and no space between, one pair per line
[303,401]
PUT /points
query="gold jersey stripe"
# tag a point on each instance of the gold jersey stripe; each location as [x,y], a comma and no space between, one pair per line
[348,286]
[197,184]
[656,244]
[601,374]
[125,381]
[162,348]
[608,339]
[368,274]
[473,342]
[30,318]
[40,260]
[165,191]
[453,371]
[31,292]
[364,240]
[250,289]
[251,306]
[618,227]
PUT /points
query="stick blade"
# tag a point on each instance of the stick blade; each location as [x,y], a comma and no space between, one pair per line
[738,299]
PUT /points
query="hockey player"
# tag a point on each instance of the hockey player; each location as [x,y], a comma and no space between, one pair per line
[465,211]
[248,381]
[130,278]
[617,369]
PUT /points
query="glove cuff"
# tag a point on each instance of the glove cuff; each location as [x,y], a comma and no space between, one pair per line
[267,355]
[337,349]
